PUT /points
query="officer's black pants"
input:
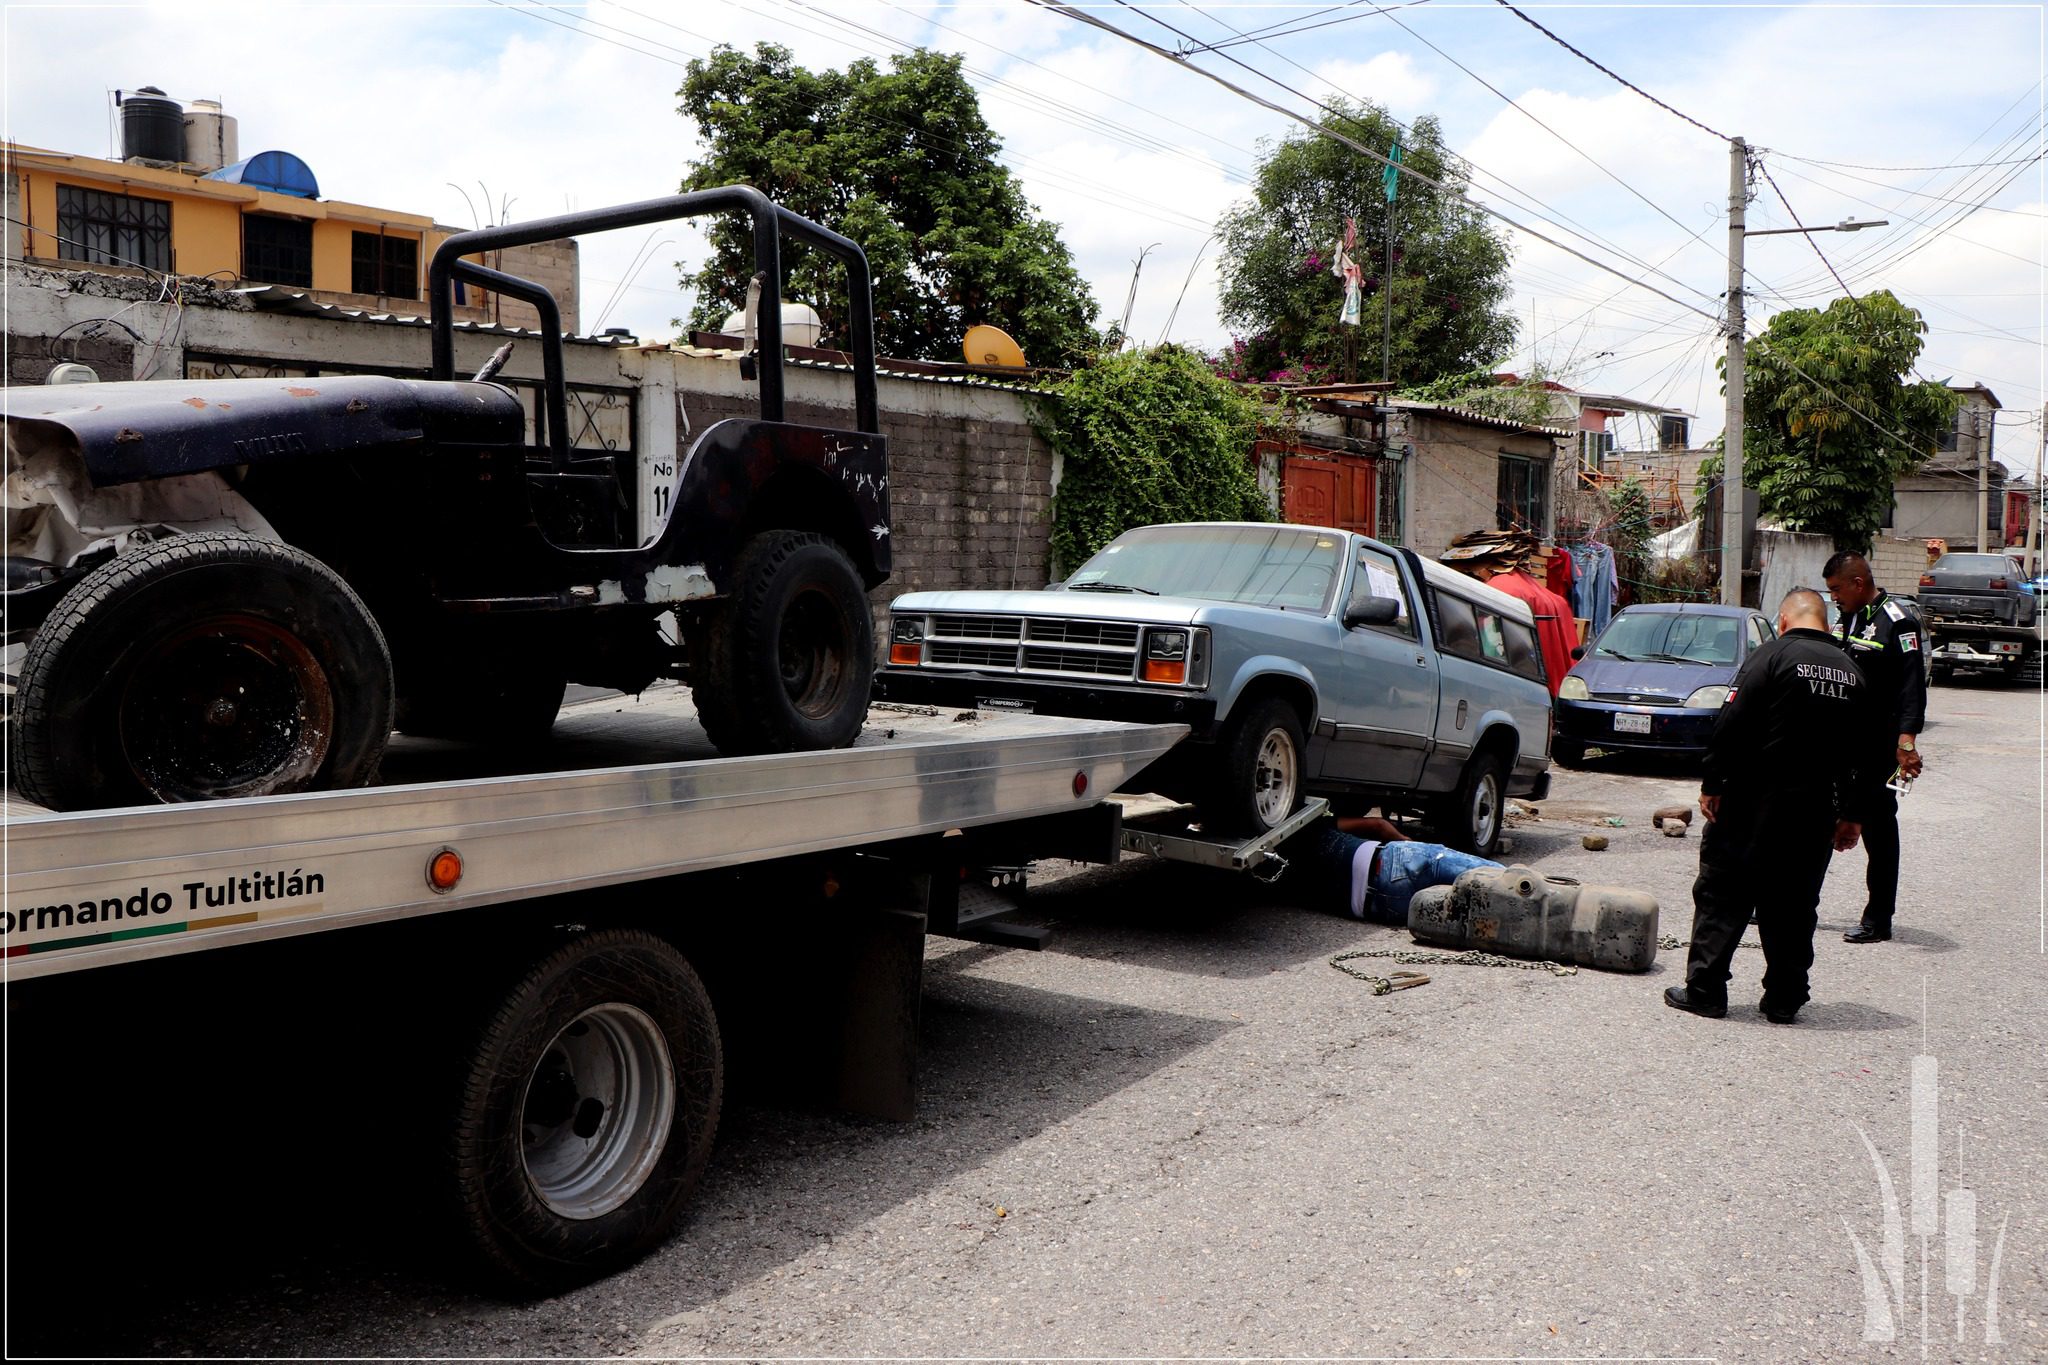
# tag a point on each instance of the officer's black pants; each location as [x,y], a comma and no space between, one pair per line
[1881,837]
[1770,861]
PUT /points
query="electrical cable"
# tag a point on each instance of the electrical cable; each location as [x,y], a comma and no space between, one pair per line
[1609,74]
[1268,30]
[1058,6]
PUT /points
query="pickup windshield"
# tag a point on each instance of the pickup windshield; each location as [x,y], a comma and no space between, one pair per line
[1671,637]
[1267,566]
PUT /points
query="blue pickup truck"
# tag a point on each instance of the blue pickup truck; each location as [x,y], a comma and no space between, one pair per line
[1305,660]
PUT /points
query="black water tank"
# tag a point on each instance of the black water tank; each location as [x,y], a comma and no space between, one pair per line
[152,126]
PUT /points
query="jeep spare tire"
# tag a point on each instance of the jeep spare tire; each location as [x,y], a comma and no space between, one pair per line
[786,661]
[197,668]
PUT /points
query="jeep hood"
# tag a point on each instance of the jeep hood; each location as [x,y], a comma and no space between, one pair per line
[149,429]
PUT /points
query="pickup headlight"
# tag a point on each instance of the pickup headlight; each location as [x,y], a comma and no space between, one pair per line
[1166,656]
[1573,688]
[906,640]
[1708,698]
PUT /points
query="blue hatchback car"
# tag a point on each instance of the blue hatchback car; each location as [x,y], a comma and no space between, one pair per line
[1654,680]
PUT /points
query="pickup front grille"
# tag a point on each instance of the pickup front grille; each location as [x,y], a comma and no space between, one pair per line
[1033,646]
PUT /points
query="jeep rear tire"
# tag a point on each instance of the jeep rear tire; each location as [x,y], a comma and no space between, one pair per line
[1259,771]
[786,661]
[197,668]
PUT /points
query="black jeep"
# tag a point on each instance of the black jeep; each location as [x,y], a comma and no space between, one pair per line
[237,587]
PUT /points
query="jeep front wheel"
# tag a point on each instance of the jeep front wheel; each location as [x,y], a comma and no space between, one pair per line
[198,668]
[787,660]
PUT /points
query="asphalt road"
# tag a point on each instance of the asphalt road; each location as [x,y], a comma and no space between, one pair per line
[1177,1131]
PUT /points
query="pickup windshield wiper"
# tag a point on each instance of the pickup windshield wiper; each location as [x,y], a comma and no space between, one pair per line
[1109,587]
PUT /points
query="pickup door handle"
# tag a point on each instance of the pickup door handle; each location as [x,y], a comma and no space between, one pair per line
[1421,661]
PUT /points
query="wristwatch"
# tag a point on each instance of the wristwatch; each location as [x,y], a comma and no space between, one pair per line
[1907,745]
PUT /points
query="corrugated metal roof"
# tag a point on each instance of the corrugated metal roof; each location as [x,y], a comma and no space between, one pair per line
[1476,418]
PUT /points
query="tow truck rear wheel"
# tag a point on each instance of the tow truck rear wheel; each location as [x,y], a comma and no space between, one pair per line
[196,668]
[586,1117]
[787,660]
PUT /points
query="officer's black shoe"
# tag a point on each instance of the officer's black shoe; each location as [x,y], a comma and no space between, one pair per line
[1676,997]
[1776,1015]
[1863,933]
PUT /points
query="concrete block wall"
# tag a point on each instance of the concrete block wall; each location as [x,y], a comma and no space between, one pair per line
[1897,564]
[30,359]
[551,264]
[1452,489]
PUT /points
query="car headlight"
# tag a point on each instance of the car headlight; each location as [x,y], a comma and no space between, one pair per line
[1573,688]
[1708,698]
[906,640]
[1166,656]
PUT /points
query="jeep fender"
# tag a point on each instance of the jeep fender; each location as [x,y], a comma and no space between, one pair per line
[56,516]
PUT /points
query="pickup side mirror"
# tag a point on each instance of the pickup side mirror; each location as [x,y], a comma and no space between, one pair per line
[1578,651]
[1366,610]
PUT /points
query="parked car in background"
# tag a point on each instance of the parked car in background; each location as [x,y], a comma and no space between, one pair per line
[1655,679]
[1305,661]
[1977,587]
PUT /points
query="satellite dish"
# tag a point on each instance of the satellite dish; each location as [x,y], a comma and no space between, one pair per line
[992,347]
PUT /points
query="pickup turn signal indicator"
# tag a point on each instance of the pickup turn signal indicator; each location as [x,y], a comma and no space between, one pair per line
[1166,670]
[910,654]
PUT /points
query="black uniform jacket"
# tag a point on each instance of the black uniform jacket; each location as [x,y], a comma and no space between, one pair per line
[1788,749]
[1884,640]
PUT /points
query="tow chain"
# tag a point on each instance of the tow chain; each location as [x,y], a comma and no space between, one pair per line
[1409,957]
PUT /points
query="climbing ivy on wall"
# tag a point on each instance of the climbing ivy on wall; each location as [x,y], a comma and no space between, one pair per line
[1148,436]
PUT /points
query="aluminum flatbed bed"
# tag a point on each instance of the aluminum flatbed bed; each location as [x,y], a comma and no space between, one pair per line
[100,887]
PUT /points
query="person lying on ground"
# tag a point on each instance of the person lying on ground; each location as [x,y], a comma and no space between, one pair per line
[1368,868]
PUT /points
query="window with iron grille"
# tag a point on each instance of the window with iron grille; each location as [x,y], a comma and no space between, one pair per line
[277,250]
[1523,489]
[385,265]
[105,228]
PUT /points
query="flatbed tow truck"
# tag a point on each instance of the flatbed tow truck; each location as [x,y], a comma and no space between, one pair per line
[569,921]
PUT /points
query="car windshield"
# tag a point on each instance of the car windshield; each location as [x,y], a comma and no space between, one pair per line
[1268,566]
[1985,564]
[1671,636]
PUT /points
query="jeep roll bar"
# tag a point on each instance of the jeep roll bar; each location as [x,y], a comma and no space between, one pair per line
[771,222]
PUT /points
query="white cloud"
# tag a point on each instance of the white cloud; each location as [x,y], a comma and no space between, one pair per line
[1389,79]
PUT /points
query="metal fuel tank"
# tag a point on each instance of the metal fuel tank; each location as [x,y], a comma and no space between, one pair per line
[1522,913]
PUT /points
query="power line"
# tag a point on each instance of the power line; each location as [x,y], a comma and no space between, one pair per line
[1081,17]
[1772,182]
[1268,31]
[1953,166]
[1610,74]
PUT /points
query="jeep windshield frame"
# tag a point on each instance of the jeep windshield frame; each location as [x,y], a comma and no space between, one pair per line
[771,223]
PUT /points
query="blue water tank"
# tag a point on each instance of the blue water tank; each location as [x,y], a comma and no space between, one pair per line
[278,172]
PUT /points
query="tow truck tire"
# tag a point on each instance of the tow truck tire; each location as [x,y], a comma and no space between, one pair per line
[200,667]
[586,1117]
[786,661]
[1470,818]
[1257,782]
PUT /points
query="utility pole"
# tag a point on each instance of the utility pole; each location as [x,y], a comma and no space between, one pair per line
[1387,289]
[1731,432]
[1983,431]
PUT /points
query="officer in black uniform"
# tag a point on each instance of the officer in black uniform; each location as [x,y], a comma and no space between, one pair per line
[1781,795]
[1882,635]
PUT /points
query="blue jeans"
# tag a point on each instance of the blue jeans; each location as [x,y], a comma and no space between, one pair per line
[1403,869]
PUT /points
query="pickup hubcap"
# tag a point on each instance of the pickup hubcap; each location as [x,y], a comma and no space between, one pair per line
[597,1112]
[1275,777]
[1485,810]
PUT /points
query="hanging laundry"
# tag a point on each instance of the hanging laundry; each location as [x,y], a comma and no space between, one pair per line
[1353,275]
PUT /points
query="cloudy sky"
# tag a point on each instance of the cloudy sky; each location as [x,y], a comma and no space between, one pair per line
[1928,116]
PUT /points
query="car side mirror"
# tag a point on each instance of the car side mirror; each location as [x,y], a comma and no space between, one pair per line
[1578,651]
[1366,610]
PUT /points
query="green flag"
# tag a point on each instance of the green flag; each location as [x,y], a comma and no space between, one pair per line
[1391,177]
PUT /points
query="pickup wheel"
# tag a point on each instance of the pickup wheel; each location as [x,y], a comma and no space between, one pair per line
[587,1114]
[1470,818]
[787,660]
[201,667]
[1258,779]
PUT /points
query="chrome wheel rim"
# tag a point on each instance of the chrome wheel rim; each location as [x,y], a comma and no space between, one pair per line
[1275,777]
[597,1111]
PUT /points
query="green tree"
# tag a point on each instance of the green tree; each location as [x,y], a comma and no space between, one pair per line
[1450,267]
[902,162]
[1148,436]
[1830,421]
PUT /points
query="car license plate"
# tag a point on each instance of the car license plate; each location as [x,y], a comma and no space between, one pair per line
[1005,704]
[1627,723]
